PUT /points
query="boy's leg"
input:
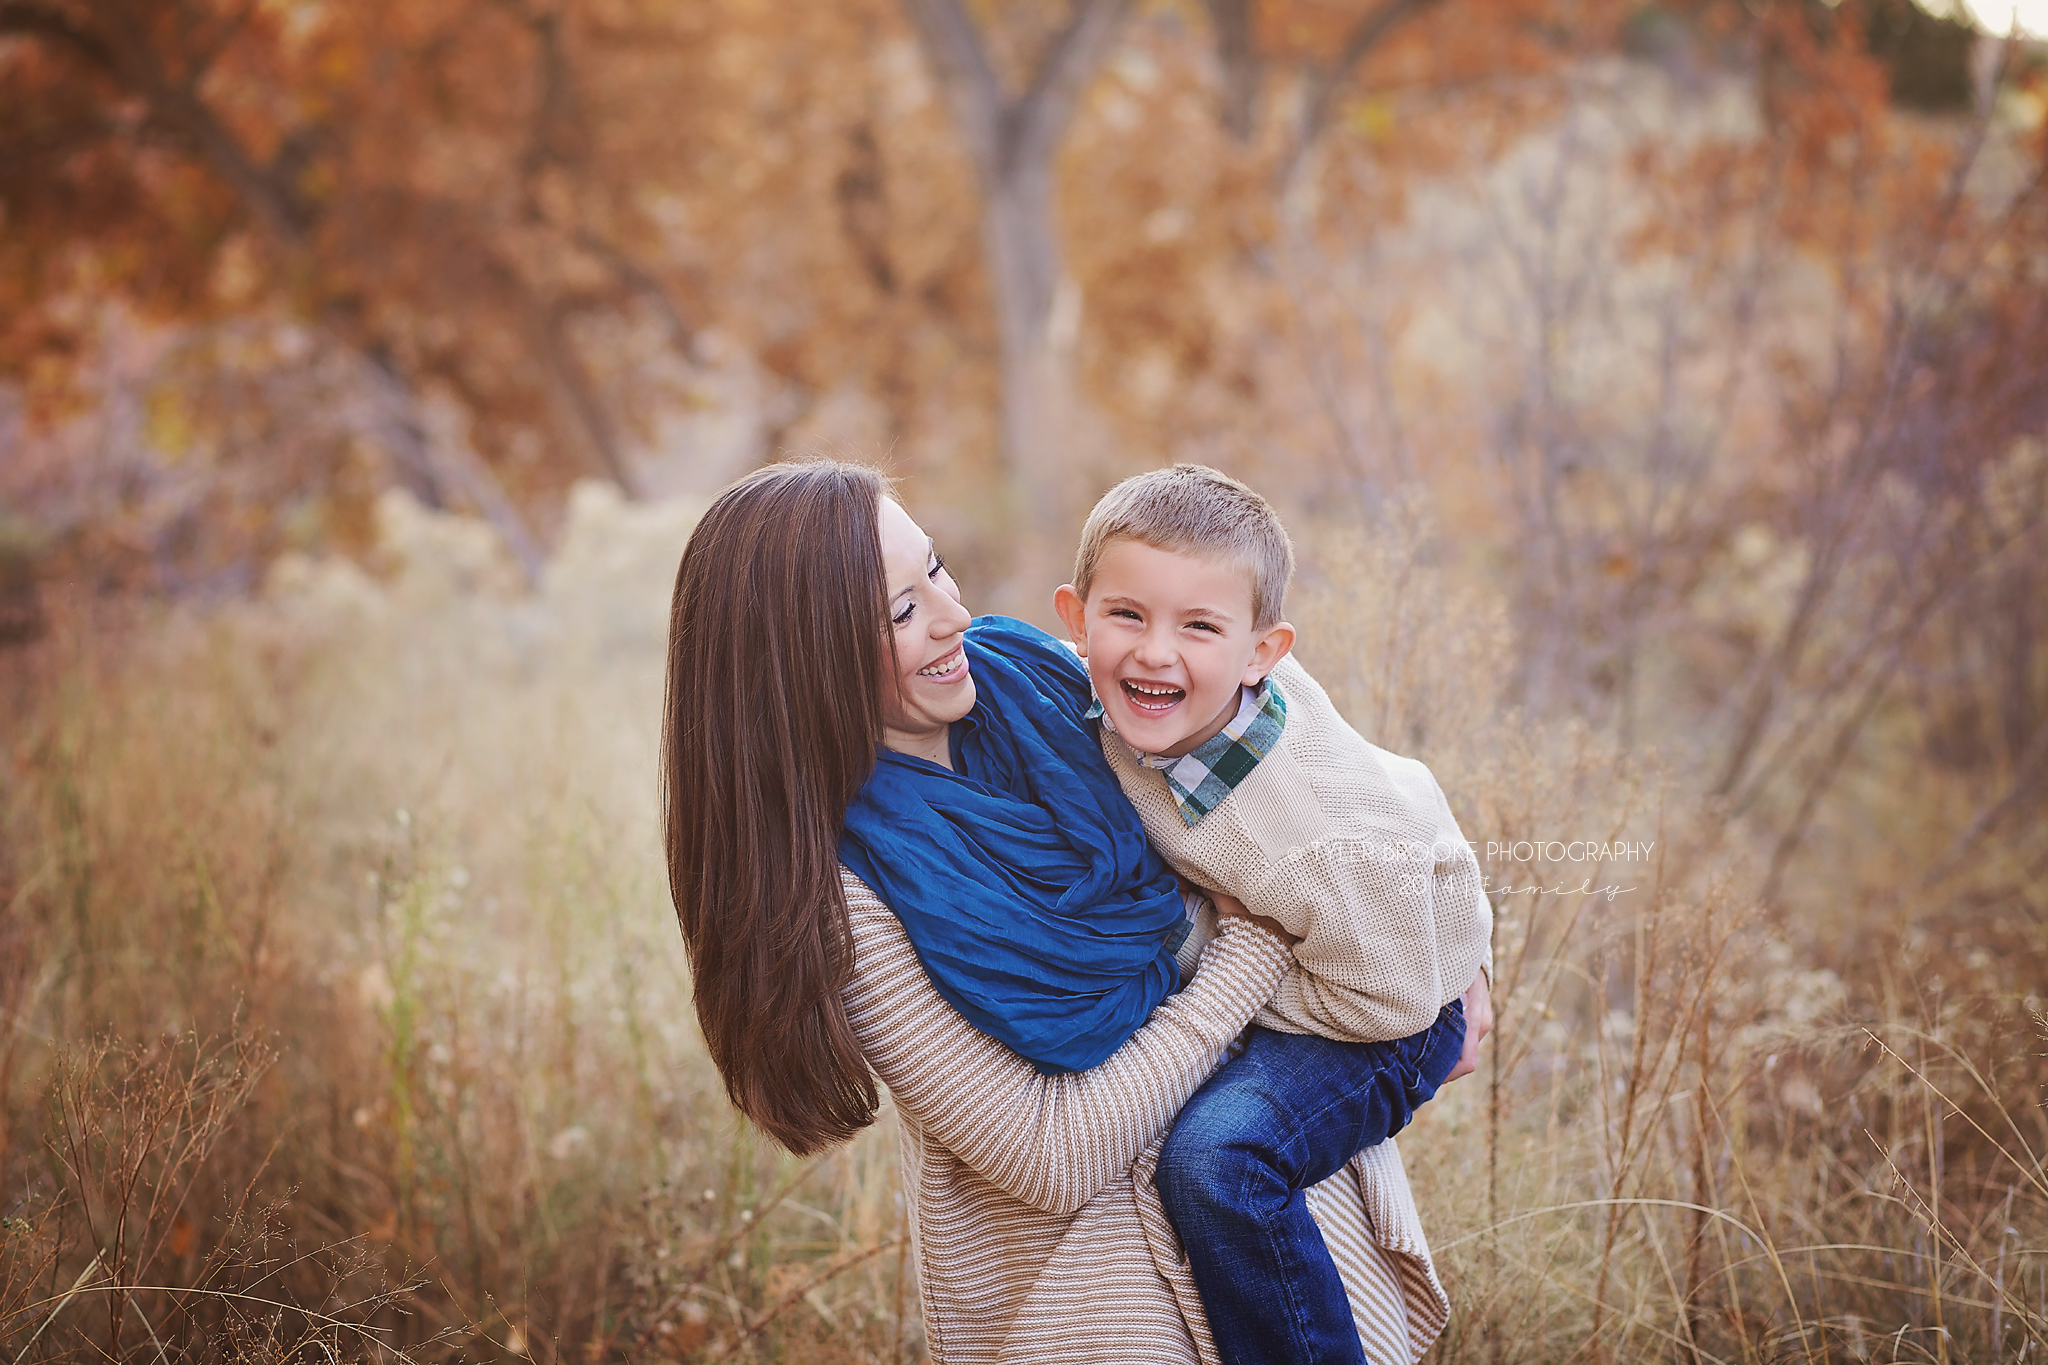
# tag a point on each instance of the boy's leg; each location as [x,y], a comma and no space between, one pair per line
[1283,1116]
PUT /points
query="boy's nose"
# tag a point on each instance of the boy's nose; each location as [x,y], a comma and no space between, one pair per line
[1155,650]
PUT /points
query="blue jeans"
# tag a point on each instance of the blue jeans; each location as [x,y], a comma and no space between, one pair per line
[1284,1115]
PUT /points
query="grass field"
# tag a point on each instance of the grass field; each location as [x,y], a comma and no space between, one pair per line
[347,1018]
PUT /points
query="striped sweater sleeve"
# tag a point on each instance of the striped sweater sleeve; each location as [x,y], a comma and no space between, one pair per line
[1052,1142]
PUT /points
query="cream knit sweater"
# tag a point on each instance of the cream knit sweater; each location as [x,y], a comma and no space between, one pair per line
[1349,847]
[1038,1232]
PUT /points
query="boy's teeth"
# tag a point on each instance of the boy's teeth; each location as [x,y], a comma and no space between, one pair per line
[1153,696]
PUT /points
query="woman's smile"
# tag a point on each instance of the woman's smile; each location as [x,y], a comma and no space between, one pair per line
[933,685]
[949,669]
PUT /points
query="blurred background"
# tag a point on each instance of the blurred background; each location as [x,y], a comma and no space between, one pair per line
[1658,397]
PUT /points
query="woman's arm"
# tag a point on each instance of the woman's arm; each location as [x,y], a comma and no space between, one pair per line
[1050,1141]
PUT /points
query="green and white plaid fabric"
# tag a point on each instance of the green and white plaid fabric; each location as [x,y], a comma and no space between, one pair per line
[1200,780]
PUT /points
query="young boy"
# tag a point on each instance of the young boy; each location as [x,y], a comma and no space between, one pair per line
[1250,783]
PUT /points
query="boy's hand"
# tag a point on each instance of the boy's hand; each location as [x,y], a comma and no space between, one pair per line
[1478,1023]
[1230,907]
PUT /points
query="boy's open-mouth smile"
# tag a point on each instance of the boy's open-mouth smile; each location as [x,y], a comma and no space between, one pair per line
[1152,699]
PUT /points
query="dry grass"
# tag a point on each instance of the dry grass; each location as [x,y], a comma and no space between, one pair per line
[347,1019]
[1706,1130]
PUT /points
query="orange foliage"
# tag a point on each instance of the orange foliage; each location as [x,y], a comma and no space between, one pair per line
[558,212]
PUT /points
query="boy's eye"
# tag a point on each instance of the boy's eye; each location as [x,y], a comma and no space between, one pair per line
[1204,625]
[1125,613]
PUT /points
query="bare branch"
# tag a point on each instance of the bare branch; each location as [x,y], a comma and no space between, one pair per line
[1243,71]
[555,123]
[126,55]
[578,410]
[1006,136]
[1323,82]
[1012,144]
[400,427]
[556,129]
[2033,762]
[230,29]
[1035,124]
[42,21]
[642,281]
[953,46]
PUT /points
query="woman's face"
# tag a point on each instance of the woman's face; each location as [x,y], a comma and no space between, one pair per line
[932,687]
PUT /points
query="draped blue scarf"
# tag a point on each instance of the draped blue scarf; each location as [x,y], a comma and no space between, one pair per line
[1022,875]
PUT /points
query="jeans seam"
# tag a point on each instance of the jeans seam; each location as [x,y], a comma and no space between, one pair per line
[1298,1315]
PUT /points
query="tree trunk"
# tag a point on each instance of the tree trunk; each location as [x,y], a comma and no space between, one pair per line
[1012,143]
[1024,261]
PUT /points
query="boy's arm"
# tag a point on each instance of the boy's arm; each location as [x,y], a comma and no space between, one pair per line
[1390,934]
[1368,967]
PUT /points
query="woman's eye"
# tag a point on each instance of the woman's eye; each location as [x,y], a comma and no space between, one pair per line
[938,567]
[903,617]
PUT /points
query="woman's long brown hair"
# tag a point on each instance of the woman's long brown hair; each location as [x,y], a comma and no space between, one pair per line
[773,715]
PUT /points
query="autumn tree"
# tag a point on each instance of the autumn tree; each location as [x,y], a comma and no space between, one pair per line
[209,157]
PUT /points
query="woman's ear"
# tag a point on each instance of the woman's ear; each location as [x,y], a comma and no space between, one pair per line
[1073,613]
[1268,652]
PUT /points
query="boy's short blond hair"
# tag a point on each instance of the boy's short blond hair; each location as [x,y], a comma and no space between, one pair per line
[1195,510]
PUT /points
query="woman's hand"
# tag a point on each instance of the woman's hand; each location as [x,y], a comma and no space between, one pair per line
[1478,1023]
[1230,907]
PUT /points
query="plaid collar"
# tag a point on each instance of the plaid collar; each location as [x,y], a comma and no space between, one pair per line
[1200,780]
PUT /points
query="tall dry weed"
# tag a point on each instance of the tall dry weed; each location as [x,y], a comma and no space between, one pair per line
[387,839]
[1708,1127]
[395,830]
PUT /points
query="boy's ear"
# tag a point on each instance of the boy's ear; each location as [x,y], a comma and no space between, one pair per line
[1073,614]
[1268,652]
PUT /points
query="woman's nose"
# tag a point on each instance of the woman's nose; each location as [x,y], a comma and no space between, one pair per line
[949,617]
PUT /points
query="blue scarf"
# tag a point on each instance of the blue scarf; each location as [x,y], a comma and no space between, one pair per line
[1022,875]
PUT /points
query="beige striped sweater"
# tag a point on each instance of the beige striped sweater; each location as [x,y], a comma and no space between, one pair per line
[1038,1233]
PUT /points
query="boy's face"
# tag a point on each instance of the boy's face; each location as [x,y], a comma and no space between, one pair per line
[1169,641]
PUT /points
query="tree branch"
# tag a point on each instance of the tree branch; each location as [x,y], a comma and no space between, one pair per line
[457,463]
[1238,52]
[41,21]
[1036,122]
[553,139]
[953,46]
[230,29]
[2033,762]
[1323,82]
[570,392]
[642,281]
[128,57]
[1005,135]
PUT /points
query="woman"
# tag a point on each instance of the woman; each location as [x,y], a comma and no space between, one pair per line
[812,625]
